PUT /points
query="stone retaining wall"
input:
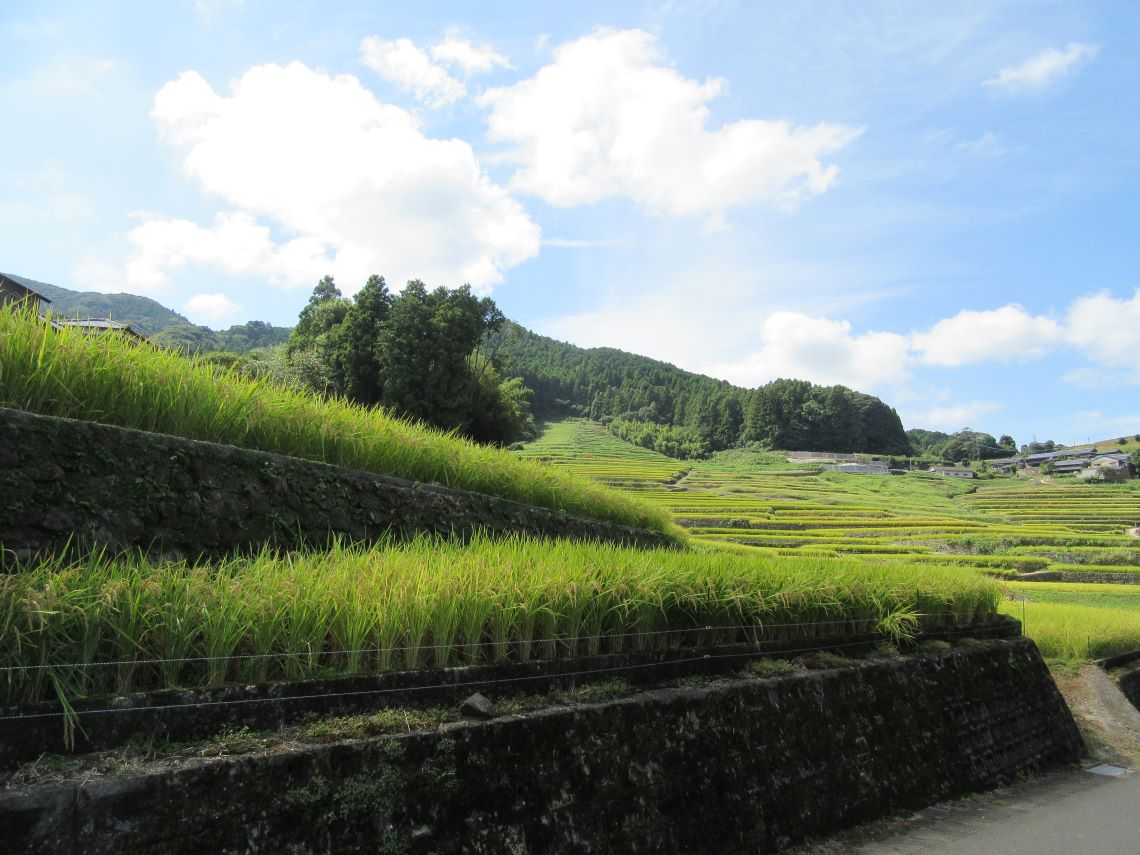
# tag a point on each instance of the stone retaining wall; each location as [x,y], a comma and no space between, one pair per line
[741,766]
[81,485]
[178,715]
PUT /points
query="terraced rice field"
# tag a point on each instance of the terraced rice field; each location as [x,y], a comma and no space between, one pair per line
[1008,527]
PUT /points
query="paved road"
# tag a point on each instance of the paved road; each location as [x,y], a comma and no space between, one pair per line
[1068,813]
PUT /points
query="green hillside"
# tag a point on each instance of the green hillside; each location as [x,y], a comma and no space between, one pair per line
[145,315]
[162,325]
[682,414]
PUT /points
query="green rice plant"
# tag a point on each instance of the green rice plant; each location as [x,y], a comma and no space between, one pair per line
[426,603]
[226,621]
[1067,631]
[114,380]
[1095,595]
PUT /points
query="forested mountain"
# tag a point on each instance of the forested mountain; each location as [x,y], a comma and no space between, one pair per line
[161,325]
[680,413]
[145,315]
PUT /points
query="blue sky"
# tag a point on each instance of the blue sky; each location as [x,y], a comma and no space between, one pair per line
[935,203]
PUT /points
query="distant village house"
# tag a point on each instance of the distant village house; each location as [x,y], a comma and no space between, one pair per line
[954,471]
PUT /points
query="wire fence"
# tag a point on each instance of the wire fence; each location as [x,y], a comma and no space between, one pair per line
[572,641]
[483,682]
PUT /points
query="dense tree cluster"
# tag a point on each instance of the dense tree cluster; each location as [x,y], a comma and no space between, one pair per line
[420,353]
[688,415]
[238,339]
[966,444]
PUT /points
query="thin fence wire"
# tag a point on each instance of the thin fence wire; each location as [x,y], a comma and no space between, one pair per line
[73,713]
[534,642]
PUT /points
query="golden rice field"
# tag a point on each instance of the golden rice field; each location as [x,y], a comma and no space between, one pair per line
[1004,527]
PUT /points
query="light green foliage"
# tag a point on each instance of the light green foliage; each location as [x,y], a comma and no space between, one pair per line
[1092,595]
[771,667]
[429,603]
[1067,631]
[113,380]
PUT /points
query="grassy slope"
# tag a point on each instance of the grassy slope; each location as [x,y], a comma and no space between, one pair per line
[112,380]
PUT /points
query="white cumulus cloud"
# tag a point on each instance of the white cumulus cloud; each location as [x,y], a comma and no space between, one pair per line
[234,244]
[210,308]
[1039,71]
[1106,329]
[404,64]
[803,347]
[607,118]
[353,184]
[1008,333]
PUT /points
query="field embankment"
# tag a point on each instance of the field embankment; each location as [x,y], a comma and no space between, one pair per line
[112,380]
[69,486]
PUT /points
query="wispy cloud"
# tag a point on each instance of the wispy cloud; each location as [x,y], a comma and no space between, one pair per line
[1039,71]
[580,243]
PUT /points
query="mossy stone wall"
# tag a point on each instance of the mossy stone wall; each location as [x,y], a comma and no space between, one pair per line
[75,484]
[741,766]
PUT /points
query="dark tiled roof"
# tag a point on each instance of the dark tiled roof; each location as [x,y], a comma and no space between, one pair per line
[98,324]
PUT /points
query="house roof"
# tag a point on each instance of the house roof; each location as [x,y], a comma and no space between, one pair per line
[96,324]
[1069,465]
[1118,456]
[15,284]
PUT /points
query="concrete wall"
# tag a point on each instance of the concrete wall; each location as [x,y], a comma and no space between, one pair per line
[740,766]
[64,481]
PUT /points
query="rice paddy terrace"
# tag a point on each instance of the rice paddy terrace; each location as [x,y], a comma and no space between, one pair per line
[77,627]
[1012,528]
[877,584]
